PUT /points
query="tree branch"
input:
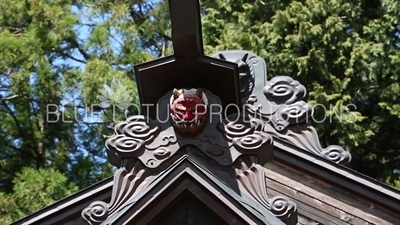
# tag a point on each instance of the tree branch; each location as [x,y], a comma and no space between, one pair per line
[71,57]
[20,131]
[8,97]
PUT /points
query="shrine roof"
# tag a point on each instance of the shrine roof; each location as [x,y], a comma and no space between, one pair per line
[280,119]
[337,175]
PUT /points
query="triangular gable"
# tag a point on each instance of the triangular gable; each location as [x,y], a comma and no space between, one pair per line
[187,209]
[188,176]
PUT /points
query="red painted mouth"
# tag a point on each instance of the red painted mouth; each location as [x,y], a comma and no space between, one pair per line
[188,113]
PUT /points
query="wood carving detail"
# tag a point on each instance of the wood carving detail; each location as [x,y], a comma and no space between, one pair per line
[95,213]
[244,133]
[279,104]
[140,137]
[284,105]
[141,144]
[246,71]
[282,207]
[153,142]
[127,184]
[188,110]
[306,137]
[287,117]
[252,180]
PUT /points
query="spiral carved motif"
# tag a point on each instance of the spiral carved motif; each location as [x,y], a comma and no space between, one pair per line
[162,153]
[284,90]
[236,127]
[125,146]
[137,127]
[282,207]
[295,113]
[336,154]
[132,136]
[96,212]
[252,141]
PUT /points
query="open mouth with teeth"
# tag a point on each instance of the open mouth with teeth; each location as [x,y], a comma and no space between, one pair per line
[193,126]
[188,110]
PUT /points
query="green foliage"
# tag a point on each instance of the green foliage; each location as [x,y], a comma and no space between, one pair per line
[33,190]
[56,56]
[346,53]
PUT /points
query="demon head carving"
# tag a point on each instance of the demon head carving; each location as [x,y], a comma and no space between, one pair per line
[246,73]
[188,110]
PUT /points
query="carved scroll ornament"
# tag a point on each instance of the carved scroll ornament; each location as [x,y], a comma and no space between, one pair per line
[279,104]
[284,106]
[142,146]
[287,117]
[222,140]
[127,184]
[252,181]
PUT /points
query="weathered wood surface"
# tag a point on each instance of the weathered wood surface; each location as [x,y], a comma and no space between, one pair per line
[303,220]
[324,203]
[188,212]
[76,221]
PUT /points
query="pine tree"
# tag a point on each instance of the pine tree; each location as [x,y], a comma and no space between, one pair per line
[346,54]
[66,77]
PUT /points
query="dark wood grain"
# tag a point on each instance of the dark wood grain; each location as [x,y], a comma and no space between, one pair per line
[328,204]
[187,211]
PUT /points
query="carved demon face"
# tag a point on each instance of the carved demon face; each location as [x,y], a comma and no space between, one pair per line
[188,110]
[246,76]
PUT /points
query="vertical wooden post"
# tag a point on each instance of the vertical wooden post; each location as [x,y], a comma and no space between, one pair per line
[186,27]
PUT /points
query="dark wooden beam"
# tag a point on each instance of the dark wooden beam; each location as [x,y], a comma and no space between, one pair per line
[186,27]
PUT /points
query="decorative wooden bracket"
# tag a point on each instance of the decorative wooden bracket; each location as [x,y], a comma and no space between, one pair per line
[278,102]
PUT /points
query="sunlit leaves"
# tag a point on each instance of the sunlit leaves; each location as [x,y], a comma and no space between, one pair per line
[55,56]
[345,53]
[33,190]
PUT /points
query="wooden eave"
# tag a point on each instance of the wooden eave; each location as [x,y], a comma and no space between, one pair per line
[289,155]
[337,175]
[70,207]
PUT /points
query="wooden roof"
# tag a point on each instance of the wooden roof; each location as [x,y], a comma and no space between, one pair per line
[320,168]
[270,105]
